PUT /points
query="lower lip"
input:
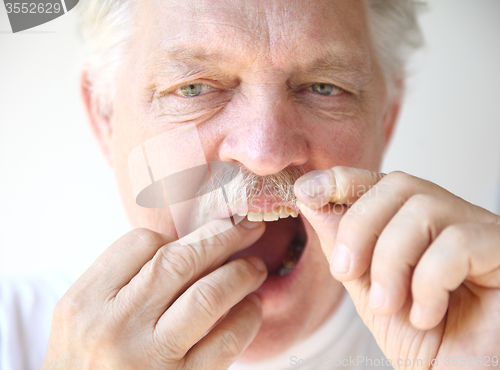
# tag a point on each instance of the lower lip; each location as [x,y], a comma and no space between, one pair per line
[278,287]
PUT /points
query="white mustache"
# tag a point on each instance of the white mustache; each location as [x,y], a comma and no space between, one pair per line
[243,188]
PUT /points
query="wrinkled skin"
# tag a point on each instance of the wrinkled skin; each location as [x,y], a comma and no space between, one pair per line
[258,110]
[258,65]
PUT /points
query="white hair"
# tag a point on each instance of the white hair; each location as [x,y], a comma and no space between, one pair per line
[396,34]
[105,26]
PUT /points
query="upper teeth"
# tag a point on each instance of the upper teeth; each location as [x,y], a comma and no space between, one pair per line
[274,215]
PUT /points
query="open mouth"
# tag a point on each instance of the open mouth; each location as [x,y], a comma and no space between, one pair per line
[283,242]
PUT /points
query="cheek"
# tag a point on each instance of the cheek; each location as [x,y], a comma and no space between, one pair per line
[159,220]
[129,132]
[353,142]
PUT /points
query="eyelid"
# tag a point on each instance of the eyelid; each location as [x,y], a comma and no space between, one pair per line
[174,90]
[308,85]
[203,91]
[340,90]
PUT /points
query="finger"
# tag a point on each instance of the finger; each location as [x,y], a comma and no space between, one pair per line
[176,266]
[362,225]
[342,185]
[227,341]
[364,222]
[195,311]
[121,261]
[404,240]
[325,222]
[461,251]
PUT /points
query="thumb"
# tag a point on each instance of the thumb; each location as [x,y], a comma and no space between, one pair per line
[341,185]
[324,196]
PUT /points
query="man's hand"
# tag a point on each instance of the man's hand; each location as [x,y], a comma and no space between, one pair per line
[147,301]
[421,265]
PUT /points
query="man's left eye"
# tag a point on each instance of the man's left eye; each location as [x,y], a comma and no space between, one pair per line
[325,89]
[193,90]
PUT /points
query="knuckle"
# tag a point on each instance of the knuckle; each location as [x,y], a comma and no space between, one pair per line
[147,237]
[243,269]
[421,204]
[177,261]
[397,177]
[208,297]
[226,238]
[427,208]
[231,344]
[422,282]
[251,311]
[457,236]
[171,348]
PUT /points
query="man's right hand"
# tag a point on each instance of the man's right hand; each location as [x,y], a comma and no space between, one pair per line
[146,302]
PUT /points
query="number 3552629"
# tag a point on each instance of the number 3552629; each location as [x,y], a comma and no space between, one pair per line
[33,8]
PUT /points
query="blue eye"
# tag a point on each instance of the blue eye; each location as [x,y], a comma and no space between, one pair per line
[325,89]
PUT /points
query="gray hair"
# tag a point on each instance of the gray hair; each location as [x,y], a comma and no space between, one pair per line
[105,28]
[396,34]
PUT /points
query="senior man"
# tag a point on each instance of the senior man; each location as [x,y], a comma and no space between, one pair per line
[302,96]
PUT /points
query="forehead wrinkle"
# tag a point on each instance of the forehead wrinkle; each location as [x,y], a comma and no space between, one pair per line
[192,58]
[179,63]
[328,59]
[266,42]
[356,67]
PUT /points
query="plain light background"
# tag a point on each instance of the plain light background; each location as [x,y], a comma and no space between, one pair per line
[59,208]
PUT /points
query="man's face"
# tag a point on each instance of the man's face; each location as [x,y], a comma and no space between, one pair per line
[270,85]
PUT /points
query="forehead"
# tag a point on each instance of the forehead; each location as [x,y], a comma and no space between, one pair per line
[285,34]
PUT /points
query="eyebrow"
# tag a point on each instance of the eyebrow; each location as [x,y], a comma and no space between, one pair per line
[332,61]
[182,63]
[357,67]
[182,57]
[354,68]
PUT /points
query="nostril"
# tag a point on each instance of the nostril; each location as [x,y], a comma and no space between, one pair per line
[263,152]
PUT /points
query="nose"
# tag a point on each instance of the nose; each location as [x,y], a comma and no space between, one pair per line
[265,134]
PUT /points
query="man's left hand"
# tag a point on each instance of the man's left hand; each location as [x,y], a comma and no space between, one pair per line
[421,265]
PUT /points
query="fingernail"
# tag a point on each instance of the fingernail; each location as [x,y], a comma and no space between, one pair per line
[255,299]
[249,224]
[257,262]
[341,260]
[416,313]
[377,296]
[314,187]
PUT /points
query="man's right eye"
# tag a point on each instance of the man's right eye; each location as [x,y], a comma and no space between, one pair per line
[193,90]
